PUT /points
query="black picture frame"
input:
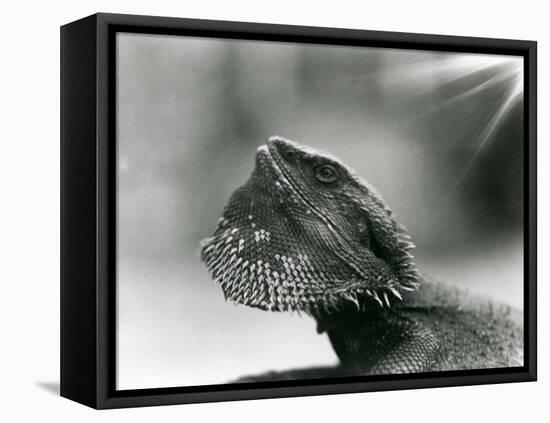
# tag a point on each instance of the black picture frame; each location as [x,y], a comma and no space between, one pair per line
[88,199]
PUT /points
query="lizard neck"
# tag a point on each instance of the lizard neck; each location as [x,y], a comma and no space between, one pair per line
[361,338]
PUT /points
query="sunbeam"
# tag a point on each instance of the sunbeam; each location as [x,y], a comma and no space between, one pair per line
[437,71]
[486,136]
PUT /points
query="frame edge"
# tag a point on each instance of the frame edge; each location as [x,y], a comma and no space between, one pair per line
[78,212]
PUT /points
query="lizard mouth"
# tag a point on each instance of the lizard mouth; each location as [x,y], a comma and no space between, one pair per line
[268,162]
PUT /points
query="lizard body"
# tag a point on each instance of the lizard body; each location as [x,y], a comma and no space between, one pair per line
[306,234]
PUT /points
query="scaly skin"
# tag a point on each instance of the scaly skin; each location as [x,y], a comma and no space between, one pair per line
[306,234]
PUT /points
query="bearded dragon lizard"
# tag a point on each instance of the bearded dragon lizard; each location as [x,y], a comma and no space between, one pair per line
[307,234]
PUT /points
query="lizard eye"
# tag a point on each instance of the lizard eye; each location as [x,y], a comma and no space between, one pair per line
[289,155]
[326,173]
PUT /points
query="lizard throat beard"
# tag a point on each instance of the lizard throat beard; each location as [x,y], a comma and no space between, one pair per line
[254,254]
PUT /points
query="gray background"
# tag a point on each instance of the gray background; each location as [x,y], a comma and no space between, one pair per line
[439,135]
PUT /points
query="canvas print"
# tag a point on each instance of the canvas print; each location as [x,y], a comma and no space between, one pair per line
[299,211]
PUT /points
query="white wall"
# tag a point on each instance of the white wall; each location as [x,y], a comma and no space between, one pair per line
[30,208]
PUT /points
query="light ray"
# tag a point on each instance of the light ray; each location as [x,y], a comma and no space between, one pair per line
[437,72]
[490,83]
[487,134]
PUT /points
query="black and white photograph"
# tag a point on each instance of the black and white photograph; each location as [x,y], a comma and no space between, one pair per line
[292,211]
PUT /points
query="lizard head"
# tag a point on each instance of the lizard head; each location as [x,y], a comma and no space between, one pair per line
[306,233]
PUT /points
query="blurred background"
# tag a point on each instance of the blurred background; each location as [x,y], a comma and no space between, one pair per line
[440,135]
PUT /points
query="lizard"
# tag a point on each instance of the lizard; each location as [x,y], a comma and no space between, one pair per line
[307,234]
